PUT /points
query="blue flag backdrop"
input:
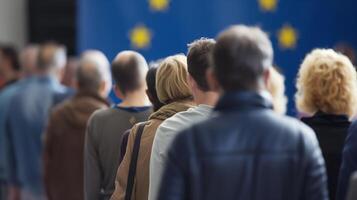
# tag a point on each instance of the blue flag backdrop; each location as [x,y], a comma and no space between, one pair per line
[158,28]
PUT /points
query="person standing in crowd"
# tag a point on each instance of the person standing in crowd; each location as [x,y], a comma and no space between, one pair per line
[9,72]
[197,63]
[246,150]
[64,143]
[152,94]
[9,65]
[27,116]
[173,90]
[106,127]
[28,57]
[327,89]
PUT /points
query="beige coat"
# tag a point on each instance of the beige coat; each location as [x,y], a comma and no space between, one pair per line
[141,182]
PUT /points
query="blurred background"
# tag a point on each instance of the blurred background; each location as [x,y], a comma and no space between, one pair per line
[158,28]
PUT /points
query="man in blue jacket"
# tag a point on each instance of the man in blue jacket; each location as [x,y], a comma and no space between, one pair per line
[27,115]
[245,151]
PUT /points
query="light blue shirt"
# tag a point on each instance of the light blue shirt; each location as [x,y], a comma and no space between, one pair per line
[5,97]
[27,117]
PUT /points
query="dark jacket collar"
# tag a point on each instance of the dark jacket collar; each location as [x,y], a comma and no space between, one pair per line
[321,116]
[92,95]
[233,101]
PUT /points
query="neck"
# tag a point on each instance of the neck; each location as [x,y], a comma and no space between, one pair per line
[135,99]
[206,98]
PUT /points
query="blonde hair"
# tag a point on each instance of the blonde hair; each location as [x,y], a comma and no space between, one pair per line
[327,81]
[171,79]
[276,88]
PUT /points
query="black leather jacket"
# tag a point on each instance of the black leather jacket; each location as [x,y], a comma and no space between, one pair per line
[246,152]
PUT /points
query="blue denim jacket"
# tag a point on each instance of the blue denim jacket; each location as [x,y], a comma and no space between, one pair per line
[28,112]
[5,98]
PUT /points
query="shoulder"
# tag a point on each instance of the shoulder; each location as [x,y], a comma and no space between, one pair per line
[103,114]
[183,120]
[59,109]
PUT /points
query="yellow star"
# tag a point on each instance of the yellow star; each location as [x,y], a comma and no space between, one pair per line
[159,5]
[140,37]
[268,5]
[287,37]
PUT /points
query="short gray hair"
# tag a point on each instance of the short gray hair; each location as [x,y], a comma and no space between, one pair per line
[94,68]
[52,56]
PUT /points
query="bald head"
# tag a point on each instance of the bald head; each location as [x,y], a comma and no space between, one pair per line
[93,73]
[129,70]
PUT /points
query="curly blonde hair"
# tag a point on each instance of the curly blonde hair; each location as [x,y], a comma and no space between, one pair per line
[327,81]
[171,79]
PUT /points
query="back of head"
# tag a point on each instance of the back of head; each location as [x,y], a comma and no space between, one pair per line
[151,84]
[51,58]
[10,55]
[327,81]
[93,71]
[28,59]
[240,57]
[129,70]
[171,79]
[198,60]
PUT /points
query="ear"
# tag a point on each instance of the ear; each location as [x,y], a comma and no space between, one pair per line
[212,80]
[191,83]
[117,92]
[103,89]
[266,77]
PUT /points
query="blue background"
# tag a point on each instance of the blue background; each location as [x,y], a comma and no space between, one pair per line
[105,25]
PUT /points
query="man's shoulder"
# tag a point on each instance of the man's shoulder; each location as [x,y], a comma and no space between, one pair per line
[104,113]
[278,125]
[182,120]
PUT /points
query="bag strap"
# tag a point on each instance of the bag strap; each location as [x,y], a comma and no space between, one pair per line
[133,162]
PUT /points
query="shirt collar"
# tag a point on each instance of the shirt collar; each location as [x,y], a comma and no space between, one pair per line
[244,100]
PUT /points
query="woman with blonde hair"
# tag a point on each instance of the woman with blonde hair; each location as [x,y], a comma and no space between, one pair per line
[327,89]
[173,91]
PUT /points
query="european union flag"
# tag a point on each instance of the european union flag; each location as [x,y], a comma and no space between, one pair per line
[158,28]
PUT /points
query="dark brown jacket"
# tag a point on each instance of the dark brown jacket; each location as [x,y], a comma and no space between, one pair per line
[64,145]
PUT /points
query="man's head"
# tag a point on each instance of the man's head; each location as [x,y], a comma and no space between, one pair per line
[198,62]
[242,57]
[198,56]
[151,84]
[28,59]
[93,73]
[51,59]
[9,63]
[129,70]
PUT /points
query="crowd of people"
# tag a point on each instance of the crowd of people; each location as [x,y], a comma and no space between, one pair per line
[210,124]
